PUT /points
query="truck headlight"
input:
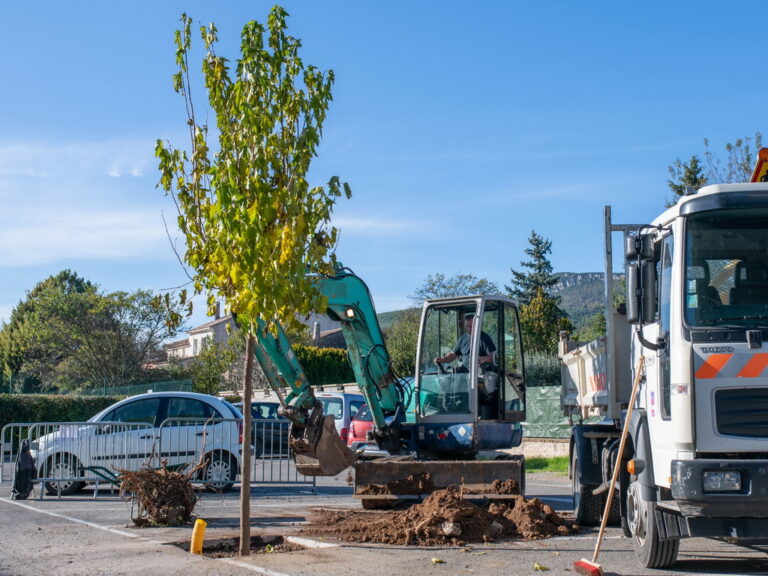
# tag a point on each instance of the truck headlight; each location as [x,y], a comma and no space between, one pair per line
[722,481]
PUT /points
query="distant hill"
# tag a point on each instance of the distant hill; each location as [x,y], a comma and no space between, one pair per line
[386,319]
[581,296]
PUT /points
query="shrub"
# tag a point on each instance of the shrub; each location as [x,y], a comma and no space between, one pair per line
[51,408]
[542,369]
[325,365]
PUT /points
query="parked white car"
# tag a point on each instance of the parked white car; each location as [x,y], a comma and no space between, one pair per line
[176,428]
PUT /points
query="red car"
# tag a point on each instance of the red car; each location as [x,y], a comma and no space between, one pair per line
[359,427]
[360,437]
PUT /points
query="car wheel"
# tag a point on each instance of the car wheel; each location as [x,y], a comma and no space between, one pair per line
[650,550]
[586,506]
[220,473]
[63,466]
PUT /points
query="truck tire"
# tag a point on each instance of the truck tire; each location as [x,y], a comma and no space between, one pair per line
[586,506]
[650,551]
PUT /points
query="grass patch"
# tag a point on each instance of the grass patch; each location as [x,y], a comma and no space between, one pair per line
[558,464]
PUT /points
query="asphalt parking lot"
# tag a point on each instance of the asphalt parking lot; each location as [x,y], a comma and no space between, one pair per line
[94,535]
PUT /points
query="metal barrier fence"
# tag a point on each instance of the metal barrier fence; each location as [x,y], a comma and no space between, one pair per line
[70,454]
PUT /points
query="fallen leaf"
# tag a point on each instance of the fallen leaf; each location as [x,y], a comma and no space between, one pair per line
[437,561]
[539,567]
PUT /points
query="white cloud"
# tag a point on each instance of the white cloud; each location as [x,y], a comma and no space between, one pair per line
[76,159]
[80,234]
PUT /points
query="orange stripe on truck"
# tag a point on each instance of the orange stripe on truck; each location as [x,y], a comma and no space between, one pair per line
[712,366]
[755,366]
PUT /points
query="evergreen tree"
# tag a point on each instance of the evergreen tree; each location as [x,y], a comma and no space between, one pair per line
[539,275]
[683,175]
[541,317]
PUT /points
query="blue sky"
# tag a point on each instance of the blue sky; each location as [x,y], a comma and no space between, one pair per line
[460,127]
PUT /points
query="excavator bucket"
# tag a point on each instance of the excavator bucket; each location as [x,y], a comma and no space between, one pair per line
[389,481]
[319,451]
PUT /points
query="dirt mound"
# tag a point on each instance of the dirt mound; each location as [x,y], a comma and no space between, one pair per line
[444,518]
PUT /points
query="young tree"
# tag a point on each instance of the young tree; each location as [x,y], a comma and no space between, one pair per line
[438,286]
[253,225]
[525,285]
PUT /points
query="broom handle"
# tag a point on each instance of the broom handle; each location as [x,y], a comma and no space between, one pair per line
[615,475]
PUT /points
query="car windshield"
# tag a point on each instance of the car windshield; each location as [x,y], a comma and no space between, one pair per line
[726,273]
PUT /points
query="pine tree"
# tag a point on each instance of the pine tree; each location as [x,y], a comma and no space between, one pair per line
[525,284]
[685,174]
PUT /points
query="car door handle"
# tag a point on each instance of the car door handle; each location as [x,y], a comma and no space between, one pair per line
[201,434]
[147,437]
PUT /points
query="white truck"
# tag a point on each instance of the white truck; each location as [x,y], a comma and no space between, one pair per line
[696,458]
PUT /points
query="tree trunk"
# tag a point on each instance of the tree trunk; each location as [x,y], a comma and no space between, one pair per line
[245,472]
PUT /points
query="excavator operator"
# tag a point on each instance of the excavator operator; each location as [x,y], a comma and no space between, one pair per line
[463,349]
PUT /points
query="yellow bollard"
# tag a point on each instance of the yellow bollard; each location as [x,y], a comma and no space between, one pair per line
[198,535]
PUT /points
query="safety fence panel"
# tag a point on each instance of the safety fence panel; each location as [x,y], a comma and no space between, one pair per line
[215,445]
[70,454]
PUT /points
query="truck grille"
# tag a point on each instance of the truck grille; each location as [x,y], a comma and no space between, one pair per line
[742,412]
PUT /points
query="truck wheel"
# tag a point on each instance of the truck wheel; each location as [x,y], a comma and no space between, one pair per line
[586,506]
[650,551]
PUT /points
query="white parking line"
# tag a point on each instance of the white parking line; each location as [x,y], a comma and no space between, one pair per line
[251,567]
[78,521]
[310,543]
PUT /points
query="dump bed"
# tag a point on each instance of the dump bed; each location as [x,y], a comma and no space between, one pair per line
[586,389]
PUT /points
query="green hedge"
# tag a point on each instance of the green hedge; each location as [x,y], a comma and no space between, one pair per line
[325,365]
[542,369]
[51,408]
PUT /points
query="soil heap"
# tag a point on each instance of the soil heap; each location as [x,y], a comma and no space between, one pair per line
[443,518]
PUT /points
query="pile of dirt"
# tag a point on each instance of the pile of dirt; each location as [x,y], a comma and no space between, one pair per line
[444,518]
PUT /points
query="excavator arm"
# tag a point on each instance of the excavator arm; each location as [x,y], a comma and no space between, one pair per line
[351,304]
[316,446]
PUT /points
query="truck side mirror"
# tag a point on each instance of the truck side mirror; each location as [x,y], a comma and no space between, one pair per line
[640,251]
[633,296]
[648,292]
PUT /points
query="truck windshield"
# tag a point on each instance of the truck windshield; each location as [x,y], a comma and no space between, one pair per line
[726,269]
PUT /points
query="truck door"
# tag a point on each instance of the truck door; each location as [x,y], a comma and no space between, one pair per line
[656,396]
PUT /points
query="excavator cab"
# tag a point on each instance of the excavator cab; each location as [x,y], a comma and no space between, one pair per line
[468,403]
